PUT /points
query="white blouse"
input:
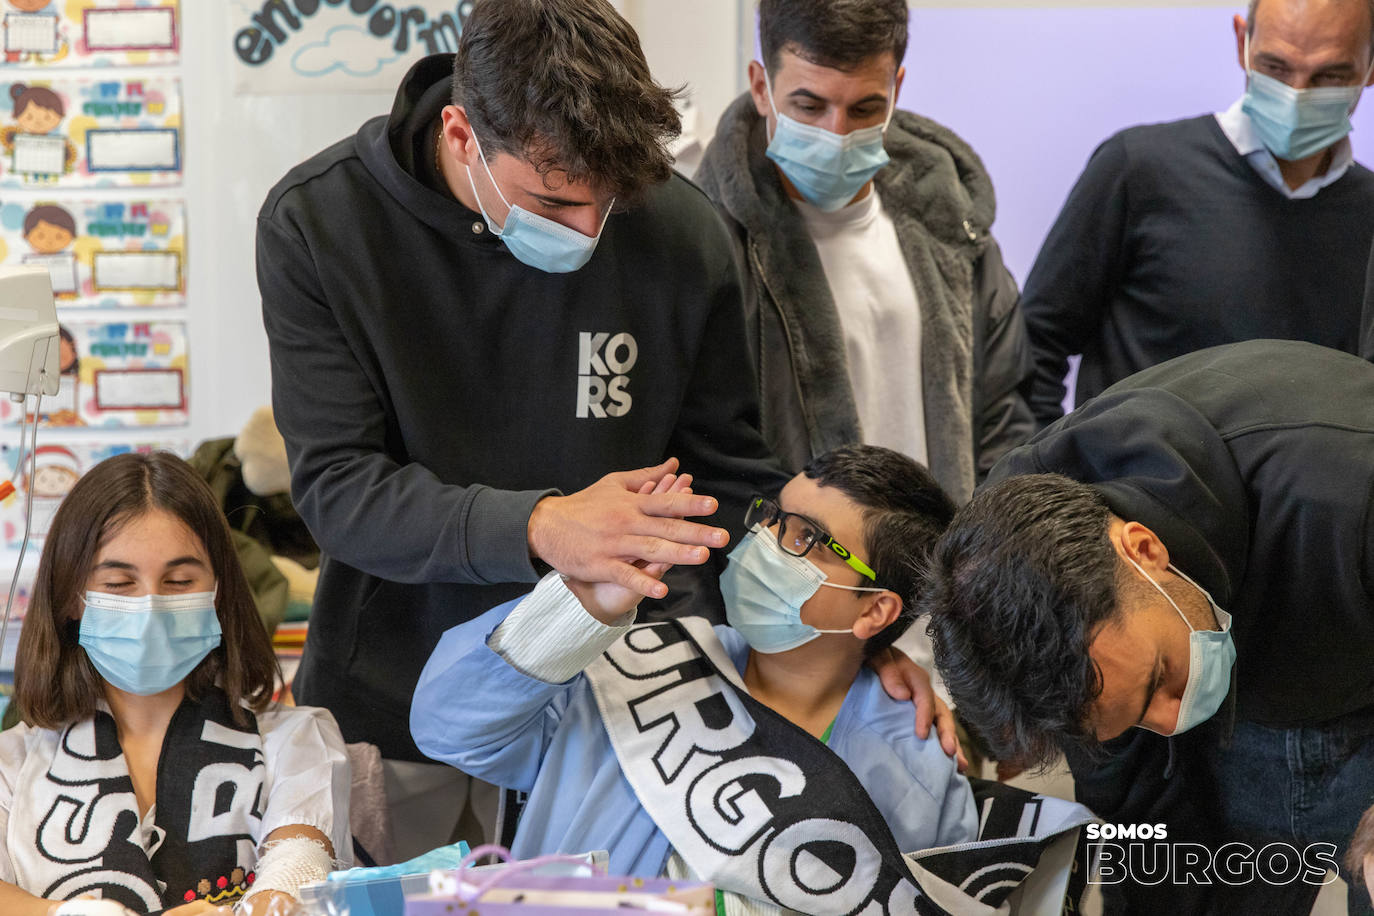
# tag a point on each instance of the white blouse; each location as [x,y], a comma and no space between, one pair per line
[306,782]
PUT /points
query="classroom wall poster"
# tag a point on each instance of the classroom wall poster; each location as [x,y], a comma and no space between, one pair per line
[294,46]
[101,254]
[58,465]
[89,33]
[87,133]
[116,375]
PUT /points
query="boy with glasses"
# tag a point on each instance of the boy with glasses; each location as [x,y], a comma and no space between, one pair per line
[696,751]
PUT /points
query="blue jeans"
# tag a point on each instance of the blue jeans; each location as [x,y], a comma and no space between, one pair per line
[1299,786]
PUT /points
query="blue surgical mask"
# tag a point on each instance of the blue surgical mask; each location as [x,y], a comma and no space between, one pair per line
[1297,123]
[764,589]
[148,644]
[538,241]
[828,169]
[1211,653]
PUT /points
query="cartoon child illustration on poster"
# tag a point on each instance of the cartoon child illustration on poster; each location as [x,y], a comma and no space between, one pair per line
[56,471]
[49,230]
[35,150]
[62,409]
[33,33]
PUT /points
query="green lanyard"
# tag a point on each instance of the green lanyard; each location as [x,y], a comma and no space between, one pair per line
[825,739]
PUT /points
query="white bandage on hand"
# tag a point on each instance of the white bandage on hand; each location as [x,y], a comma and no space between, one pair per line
[287,864]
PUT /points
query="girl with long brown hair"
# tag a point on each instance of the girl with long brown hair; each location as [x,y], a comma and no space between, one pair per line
[152,767]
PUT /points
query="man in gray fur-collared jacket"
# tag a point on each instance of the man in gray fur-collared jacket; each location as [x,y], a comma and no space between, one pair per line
[880,310]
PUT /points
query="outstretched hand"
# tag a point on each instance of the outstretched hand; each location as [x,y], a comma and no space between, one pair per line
[903,679]
[615,528]
[610,601]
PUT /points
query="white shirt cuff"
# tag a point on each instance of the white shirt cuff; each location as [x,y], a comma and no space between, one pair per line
[550,636]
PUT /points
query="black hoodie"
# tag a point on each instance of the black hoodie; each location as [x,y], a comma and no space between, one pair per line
[431,388]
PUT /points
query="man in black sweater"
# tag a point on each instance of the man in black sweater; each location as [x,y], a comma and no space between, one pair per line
[1190,555]
[1251,223]
[475,305]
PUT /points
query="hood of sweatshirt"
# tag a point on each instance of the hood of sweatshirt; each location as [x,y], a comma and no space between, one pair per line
[398,151]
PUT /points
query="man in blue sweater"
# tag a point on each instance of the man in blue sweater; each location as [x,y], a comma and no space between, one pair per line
[1253,223]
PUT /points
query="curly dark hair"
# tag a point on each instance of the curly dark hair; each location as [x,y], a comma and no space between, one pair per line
[904,511]
[833,33]
[564,84]
[1018,587]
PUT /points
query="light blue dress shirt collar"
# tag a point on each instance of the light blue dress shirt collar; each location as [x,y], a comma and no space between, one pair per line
[1239,129]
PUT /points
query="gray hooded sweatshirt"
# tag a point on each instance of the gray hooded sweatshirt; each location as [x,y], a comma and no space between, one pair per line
[975,358]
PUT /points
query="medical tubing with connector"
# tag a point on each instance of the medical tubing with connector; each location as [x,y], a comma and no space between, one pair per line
[28,494]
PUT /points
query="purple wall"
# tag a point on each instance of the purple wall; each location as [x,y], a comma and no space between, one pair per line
[1036,90]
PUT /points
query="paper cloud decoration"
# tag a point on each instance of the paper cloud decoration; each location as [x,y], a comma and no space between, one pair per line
[348,49]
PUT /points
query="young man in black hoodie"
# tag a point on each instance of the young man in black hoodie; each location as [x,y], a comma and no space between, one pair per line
[476,305]
[1175,585]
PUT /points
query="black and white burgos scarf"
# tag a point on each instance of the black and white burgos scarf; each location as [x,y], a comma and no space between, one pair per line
[759,807]
[82,817]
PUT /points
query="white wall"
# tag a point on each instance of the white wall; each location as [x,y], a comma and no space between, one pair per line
[237,148]
[705,46]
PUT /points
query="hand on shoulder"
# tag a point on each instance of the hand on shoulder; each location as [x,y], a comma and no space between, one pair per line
[903,679]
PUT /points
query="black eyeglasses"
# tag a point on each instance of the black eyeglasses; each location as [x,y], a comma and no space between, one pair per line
[797,534]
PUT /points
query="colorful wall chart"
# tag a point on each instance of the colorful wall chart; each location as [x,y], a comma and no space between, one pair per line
[58,466]
[116,375]
[101,254]
[90,33]
[79,133]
